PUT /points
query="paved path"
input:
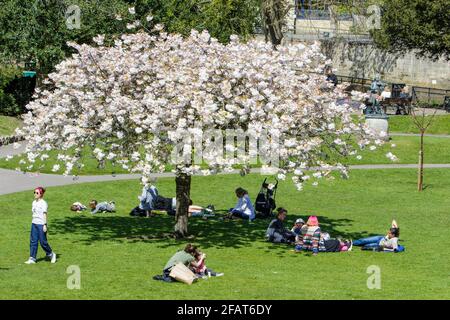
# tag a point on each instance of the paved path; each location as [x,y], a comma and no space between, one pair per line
[12,181]
[418,135]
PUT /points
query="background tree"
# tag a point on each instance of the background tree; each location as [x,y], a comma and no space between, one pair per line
[135,102]
[273,19]
[415,25]
[422,122]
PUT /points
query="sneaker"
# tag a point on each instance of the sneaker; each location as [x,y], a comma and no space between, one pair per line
[30,261]
[158,277]
[53,258]
[219,274]
[350,246]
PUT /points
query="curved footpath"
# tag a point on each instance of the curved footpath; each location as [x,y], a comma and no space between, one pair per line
[12,181]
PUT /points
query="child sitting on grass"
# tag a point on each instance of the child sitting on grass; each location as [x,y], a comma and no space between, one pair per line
[102,206]
[201,271]
[78,207]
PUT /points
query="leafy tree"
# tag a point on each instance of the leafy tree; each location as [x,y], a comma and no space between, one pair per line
[152,100]
[415,25]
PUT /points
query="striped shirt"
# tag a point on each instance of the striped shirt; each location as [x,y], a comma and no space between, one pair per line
[309,238]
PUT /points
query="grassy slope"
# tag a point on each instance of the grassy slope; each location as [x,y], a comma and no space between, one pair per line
[437,150]
[441,125]
[114,267]
[8,125]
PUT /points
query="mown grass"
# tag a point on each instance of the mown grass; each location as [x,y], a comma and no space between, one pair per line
[8,125]
[404,124]
[117,255]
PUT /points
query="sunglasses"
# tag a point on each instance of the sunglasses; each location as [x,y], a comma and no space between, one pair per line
[37,192]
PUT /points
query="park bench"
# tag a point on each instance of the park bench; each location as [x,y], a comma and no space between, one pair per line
[447,103]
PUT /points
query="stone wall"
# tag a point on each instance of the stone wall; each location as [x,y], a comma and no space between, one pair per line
[364,61]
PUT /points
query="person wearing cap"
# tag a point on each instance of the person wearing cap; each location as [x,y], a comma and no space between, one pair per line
[299,223]
[277,232]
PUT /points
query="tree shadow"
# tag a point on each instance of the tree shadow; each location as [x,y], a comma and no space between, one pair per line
[211,233]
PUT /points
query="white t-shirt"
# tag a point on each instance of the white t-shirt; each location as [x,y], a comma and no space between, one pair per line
[39,207]
[389,243]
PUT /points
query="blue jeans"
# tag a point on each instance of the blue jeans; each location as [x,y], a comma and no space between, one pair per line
[370,242]
[38,234]
[145,206]
[239,214]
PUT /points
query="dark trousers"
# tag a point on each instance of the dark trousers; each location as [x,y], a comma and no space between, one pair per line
[239,214]
[166,276]
[38,234]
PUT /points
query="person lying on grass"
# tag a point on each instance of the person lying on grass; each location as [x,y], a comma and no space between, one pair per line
[195,210]
[201,271]
[312,239]
[382,243]
[102,206]
[186,257]
[78,207]
[277,232]
[244,207]
[39,228]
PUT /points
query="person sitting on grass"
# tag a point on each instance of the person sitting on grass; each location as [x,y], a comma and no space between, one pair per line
[244,208]
[186,257]
[201,271]
[78,207]
[277,232]
[102,206]
[382,243]
[148,199]
[299,223]
[313,239]
[309,237]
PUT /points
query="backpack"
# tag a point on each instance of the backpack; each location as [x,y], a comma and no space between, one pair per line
[137,212]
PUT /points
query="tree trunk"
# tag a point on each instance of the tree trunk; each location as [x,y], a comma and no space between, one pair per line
[183,189]
[420,178]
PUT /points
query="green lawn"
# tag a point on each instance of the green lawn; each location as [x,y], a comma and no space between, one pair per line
[8,125]
[116,263]
[440,125]
[437,150]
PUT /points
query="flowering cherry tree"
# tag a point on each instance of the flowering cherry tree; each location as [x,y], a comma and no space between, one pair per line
[133,103]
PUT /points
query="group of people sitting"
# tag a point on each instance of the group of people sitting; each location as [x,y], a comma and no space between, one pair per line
[309,237]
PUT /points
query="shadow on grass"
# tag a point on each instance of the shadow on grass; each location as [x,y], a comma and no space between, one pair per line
[211,233]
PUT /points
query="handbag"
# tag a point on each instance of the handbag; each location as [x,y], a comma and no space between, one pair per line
[182,273]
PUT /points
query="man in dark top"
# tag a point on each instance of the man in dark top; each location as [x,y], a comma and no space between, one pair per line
[331,76]
[277,232]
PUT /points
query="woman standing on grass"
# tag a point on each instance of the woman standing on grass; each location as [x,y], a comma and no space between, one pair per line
[39,228]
